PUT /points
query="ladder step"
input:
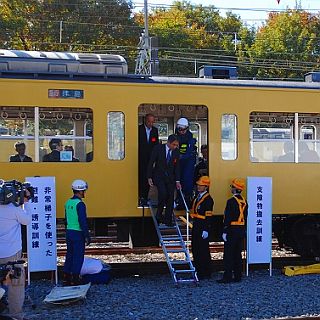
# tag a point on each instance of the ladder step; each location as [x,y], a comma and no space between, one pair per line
[179,261]
[173,244]
[186,280]
[165,227]
[171,238]
[175,250]
[184,271]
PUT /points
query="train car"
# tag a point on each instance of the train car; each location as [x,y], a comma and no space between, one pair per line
[89,101]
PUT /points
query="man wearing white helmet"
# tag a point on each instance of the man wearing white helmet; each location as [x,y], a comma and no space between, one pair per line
[187,158]
[77,233]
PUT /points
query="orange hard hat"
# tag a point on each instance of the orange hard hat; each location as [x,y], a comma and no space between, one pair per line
[237,183]
[204,181]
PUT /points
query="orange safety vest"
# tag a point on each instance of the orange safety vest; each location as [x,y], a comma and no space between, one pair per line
[195,205]
[242,204]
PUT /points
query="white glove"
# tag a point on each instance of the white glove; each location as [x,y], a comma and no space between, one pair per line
[224,237]
[205,234]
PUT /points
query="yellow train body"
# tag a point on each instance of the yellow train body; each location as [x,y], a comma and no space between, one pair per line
[113,185]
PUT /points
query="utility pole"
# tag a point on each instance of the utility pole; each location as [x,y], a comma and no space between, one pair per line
[143,65]
[60,33]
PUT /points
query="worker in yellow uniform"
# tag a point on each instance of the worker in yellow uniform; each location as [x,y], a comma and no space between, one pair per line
[201,212]
[234,229]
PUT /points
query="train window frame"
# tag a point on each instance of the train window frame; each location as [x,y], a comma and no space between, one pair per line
[39,138]
[233,140]
[284,129]
[121,150]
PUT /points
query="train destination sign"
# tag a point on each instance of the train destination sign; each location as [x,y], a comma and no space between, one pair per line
[65,94]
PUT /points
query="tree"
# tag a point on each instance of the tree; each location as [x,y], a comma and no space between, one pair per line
[287,46]
[191,34]
[16,23]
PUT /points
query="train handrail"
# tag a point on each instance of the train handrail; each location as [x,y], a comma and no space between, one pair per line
[187,214]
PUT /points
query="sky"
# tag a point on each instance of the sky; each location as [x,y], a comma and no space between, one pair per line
[253,11]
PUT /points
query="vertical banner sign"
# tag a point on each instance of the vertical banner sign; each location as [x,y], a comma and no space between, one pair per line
[41,235]
[259,222]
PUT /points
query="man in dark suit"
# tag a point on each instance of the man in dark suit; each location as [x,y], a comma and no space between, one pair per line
[164,172]
[20,156]
[55,146]
[148,139]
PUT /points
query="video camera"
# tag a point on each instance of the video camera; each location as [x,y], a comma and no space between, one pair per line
[10,268]
[13,191]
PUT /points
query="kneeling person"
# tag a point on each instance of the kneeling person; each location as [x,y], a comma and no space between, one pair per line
[202,211]
[77,234]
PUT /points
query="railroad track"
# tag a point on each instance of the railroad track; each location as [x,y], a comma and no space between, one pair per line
[137,269]
[99,250]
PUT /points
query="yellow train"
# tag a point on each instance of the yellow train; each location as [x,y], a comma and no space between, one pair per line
[252,128]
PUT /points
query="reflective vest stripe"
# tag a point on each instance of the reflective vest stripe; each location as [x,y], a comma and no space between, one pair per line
[183,148]
[209,213]
[242,204]
[194,213]
[198,216]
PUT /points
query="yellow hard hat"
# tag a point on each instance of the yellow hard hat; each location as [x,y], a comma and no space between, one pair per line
[237,183]
[204,181]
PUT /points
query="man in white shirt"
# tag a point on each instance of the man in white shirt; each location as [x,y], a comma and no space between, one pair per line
[11,219]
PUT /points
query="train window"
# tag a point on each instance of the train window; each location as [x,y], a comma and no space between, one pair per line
[309,139]
[284,137]
[163,130]
[66,127]
[116,140]
[33,128]
[229,137]
[17,141]
[271,137]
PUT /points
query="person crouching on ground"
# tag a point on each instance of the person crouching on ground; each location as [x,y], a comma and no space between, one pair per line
[201,212]
[77,234]
[234,230]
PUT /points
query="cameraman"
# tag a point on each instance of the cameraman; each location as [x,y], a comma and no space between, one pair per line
[11,219]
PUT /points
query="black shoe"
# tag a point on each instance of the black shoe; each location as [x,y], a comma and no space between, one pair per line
[76,280]
[237,280]
[224,281]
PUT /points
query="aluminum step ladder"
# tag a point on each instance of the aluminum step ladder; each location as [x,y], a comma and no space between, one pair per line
[172,243]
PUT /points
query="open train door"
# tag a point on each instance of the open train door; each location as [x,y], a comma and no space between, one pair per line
[156,123]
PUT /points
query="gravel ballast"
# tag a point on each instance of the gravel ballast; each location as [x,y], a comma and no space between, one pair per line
[258,296]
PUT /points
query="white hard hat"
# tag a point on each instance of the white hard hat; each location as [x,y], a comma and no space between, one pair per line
[79,185]
[182,123]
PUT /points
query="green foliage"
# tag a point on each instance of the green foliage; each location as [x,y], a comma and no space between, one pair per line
[286,46]
[184,30]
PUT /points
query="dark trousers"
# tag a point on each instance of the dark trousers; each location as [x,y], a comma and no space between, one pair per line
[143,180]
[200,252]
[187,175]
[165,198]
[75,252]
[232,257]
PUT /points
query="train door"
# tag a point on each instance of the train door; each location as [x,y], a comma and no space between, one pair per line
[164,118]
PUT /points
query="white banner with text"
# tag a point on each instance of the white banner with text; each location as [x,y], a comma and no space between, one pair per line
[41,233]
[259,221]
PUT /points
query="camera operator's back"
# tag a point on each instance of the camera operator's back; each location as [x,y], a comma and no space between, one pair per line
[11,218]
